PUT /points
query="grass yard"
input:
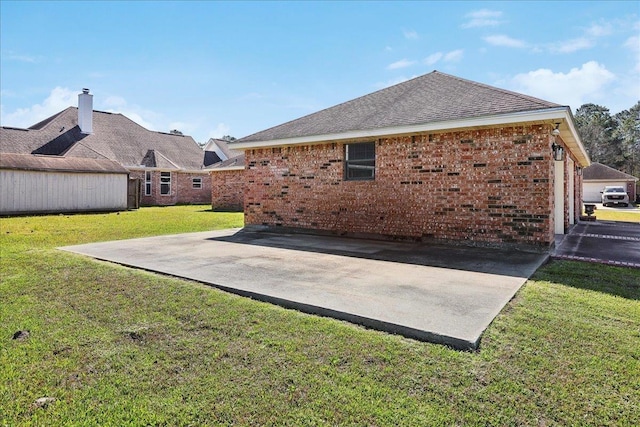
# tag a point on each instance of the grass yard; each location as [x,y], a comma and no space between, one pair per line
[116,346]
[613,215]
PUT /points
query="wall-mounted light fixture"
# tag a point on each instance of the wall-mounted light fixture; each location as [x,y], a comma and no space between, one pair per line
[579,171]
[558,150]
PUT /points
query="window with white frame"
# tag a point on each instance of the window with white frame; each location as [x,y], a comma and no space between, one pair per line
[165,183]
[360,161]
[197,182]
[147,183]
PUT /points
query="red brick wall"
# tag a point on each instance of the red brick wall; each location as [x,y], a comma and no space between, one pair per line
[485,186]
[185,191]
[182,190]
[227,190]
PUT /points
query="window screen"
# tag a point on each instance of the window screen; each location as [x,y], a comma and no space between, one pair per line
[360,161]
[165,183]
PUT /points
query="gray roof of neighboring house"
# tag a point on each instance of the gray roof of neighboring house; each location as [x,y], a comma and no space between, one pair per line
[114,137]
[224,147]
[59,164]
[600,172]
[430,98]
[237,161]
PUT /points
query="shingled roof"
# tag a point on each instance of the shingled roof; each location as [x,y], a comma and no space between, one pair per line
[59,164]
[114,137]
[433,97]
[600,172]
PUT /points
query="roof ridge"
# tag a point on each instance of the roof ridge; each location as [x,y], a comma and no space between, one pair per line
[430,97]
[337,105]
[159,153]
[506,91]
[43,123]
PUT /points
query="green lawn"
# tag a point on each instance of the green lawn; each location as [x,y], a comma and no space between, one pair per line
[115,346]
[615,215]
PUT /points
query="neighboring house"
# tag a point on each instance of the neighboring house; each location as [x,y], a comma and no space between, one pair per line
[597,176]
[169,166]
[434,158]
[226,170]
[47,184]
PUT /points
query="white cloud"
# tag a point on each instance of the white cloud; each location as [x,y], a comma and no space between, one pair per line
[18,57]
[453,56]
[113,101]
[483,18]
[570,46]
[503,40]
[59,99]
[410,34]
[596,30]
[117,104]
[433,58]
[633,44]
[403,63]
[392,82]
[588,83]
[220,131]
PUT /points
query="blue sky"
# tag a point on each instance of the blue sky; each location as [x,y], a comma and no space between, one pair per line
[216,68]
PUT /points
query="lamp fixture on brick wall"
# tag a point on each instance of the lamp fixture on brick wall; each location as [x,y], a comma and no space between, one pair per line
[558,150]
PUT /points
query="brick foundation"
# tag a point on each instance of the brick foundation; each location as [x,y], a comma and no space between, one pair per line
[487,186]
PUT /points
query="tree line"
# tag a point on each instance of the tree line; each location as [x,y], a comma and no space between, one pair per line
[613,140]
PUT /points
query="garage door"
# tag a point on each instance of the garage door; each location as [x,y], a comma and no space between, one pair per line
[592,189]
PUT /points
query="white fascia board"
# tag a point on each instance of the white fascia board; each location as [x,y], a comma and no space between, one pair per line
[583,156]
[228,168]
[502,119]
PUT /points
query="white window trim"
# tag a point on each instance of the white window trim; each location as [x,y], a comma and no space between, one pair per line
[165,183]
[148,183]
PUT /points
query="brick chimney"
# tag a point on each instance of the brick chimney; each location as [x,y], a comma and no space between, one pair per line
[85,111]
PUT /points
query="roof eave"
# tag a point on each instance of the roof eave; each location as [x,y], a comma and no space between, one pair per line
[550,115]
[226,168]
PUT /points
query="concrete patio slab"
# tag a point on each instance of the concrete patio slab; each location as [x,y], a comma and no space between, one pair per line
[435,293]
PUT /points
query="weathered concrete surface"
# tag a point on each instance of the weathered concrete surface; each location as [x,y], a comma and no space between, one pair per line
[434,293]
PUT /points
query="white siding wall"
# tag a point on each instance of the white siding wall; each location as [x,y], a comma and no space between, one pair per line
[34,191]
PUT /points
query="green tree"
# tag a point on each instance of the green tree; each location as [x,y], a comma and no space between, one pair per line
[596,129]
[627,133]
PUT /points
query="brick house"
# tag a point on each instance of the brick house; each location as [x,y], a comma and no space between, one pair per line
[433,158]
[227,181]
[169,166]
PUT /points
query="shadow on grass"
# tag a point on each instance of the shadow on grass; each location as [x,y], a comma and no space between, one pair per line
[219,211]
[619,281]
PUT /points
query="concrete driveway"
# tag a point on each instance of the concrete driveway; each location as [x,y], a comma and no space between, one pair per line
[441,294]
[606,242]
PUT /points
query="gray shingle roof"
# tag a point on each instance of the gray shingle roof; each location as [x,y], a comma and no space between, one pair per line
[598,171]
[430,98]
[237,161]
[114,137]
[61,164]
